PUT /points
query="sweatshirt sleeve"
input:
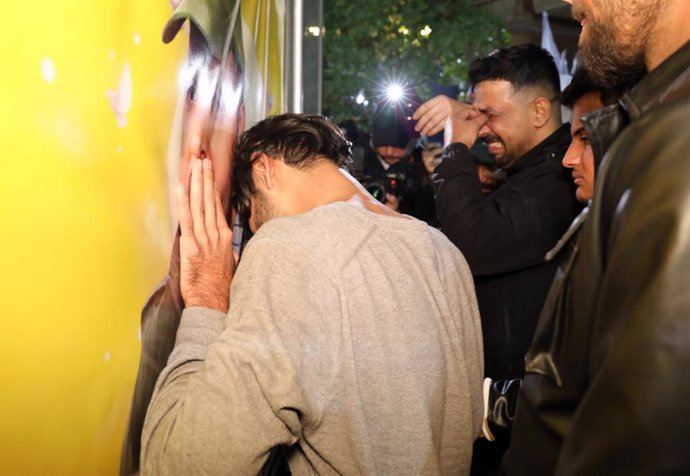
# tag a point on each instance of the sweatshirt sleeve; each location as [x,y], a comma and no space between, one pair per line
[231,391]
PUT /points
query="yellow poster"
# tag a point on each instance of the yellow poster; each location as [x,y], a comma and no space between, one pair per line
[87,104]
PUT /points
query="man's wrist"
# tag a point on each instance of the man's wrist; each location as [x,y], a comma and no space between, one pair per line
[455,149]
[220,304]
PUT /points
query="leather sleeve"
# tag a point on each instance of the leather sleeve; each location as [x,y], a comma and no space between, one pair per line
[634,417]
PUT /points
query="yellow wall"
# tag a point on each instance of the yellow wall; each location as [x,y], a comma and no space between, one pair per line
[84,236]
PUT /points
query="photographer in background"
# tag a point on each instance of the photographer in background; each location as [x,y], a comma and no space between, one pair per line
[392,168]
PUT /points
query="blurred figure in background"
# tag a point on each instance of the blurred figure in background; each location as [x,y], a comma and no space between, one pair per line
[392,167]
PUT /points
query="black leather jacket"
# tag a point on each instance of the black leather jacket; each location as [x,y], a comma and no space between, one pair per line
[606,390]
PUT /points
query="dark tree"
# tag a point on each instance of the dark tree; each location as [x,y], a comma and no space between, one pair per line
[369,43]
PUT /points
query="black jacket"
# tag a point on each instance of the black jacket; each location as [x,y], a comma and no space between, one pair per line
[504,237]
[607,389]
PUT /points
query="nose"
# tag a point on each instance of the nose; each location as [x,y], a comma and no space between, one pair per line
[197,133]
[572,157]
[484,131]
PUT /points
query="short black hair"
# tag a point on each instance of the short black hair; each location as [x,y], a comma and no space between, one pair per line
[299,140]
[581,84]
[523,66]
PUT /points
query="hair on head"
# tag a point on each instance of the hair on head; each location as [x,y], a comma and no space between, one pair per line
[581,84]
[299,140]
[523,66]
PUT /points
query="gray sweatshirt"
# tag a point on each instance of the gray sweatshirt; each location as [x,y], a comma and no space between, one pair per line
[352,337]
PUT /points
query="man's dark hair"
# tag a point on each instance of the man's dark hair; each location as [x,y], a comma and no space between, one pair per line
[581,84]
[523,66]
[299,140]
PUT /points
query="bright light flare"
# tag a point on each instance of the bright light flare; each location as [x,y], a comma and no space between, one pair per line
[395,92]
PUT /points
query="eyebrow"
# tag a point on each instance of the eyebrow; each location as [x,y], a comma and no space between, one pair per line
[580,130]
[487,110]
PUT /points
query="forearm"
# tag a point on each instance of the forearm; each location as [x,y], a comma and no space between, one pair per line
[457,191]
[163,447]
[471,220]
[639,352]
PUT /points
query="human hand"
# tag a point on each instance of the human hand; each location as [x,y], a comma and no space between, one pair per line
[431,116]
[207,263]
[463,126]
[392,202]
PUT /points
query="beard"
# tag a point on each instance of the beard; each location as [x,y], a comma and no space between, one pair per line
[263,210]
[613,46]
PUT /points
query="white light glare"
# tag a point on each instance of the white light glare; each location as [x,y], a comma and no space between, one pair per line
[360,98]
[426,31]
[394,92]
[314,31]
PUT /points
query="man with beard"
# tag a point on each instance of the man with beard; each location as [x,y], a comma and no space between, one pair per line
[504,235]
[337,339]
[606,390]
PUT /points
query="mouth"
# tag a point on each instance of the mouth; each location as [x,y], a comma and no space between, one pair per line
[494,146]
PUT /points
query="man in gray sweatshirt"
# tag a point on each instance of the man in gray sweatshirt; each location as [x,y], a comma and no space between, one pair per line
[350,334]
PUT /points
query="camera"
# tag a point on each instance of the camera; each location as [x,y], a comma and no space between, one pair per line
[392,183]
[396,183]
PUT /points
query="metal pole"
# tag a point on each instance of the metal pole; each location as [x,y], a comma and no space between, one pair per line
[297,36]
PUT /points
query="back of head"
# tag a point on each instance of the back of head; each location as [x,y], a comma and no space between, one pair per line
[581,84]
[523,66]
[299,140]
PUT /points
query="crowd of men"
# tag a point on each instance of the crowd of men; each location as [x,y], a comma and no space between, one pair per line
[545,329]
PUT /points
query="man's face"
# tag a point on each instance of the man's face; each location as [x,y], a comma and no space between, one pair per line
[390,154]
[508,133]
[580,157]
[210,125]
[614,36]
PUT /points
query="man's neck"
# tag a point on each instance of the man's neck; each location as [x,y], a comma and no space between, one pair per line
[326,183]
[670,33]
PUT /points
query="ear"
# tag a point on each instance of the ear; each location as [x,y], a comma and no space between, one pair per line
[264,171]
[540,110]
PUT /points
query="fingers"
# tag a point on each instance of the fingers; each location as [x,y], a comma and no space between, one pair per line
[196,200]
[433,114]
[210,215]
[200,209]
[221,223]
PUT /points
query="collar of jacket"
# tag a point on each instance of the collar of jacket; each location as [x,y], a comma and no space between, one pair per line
[551,148]
[660,85]
[670,79]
